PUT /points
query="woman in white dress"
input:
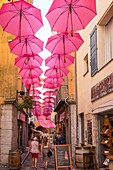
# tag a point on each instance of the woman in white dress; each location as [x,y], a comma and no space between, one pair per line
[34,149]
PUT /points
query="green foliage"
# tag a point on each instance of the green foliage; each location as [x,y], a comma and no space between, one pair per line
[27,103]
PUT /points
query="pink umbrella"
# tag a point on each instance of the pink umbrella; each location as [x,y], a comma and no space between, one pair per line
[33,61]
[30,73]
[37,104]
[34,92]
[48,98]
[58,61]
[52,86]
[20,18]
[26,45]
[47,109]
[54,80]
[64,43]
[56,72]
[28,82]
[48,102]
[50,93]
[71,15]
[36,113]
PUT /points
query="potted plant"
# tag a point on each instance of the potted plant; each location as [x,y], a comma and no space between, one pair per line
[27,103]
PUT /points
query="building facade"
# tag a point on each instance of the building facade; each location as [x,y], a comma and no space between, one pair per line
[13,123]
[65,106]
[94,62]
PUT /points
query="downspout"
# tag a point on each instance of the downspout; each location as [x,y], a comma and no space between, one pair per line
[67,103]
[76,95]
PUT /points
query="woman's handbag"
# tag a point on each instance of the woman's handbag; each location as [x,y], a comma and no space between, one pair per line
[49,153]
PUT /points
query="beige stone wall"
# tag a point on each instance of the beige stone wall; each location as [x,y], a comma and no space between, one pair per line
[8,131]
[73,128]
[85,83]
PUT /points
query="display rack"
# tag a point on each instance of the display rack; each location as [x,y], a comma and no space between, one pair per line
[106,139]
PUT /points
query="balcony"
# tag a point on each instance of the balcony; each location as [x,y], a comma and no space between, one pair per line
[61,95]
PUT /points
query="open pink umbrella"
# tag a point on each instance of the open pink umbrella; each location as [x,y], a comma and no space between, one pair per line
[31,72]
[51,86]
[34,92]
[29,81]
[33,61]
[71,15]
[50,93]
[20,18]
[48,98]
[53,80]
[63,43]
[26,45]
[56,72]
[58,60]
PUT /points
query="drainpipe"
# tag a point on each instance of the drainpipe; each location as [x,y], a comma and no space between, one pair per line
[76,94]
[67,103]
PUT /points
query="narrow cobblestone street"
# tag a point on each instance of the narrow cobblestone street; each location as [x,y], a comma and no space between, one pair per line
[28,164]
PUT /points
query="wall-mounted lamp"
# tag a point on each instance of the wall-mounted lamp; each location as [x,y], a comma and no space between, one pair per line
[22,93]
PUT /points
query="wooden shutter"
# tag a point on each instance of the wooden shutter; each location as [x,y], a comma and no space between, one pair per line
[93,51]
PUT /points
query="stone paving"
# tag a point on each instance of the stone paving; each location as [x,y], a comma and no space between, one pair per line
[40,165]
[28,163]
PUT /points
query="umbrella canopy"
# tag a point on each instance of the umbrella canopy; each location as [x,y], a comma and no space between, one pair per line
[31,72]
[20,18]
[64,43]
[54,80]
[50,93]
[34,82]
[71,15]
[52,86]
[58,61]
[56,72]
[33,92]
[26,45]
[33,61]
[49,98]
[31,81]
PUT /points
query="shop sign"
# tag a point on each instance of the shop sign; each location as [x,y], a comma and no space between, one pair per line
[22,117]
[102,88]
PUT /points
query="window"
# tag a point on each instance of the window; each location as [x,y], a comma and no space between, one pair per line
[105,37]
[109,41]
[93,51]
[89,129]
[86,65]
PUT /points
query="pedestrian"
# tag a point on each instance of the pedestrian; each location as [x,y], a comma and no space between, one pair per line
[35,150]
[59,139]
[45,147]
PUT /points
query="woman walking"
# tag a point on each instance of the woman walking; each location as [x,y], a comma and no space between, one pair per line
[34,149]
[45,147]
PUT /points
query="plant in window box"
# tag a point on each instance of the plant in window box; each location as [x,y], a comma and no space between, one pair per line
[27,103]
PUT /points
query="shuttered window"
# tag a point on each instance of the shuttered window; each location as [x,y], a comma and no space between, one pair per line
[93,51]
[109,40]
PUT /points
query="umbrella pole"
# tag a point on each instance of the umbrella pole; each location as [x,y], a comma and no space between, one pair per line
[64,48]
[70,9]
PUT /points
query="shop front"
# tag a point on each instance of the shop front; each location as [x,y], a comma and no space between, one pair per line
[102,96]
[105,132]
[22,130]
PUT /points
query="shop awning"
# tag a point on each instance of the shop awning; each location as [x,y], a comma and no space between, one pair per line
[108,106]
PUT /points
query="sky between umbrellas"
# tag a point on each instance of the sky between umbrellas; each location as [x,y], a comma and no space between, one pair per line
[23,20]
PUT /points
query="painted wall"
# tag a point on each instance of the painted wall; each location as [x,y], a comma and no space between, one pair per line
[84,81]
